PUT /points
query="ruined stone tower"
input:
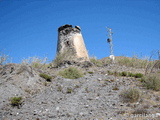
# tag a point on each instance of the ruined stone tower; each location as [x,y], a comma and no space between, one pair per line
[70,42]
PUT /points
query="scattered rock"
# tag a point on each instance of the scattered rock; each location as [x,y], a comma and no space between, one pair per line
[92,96]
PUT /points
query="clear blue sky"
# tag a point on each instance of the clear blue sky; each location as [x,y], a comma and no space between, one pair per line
[29,27]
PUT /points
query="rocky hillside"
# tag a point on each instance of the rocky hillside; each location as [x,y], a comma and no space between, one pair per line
[101,92]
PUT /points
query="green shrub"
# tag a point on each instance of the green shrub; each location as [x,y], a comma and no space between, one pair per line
[130,95]
[130,74]
[138,75]
[45,76]
[16,101]
[90,72]
[71,73]
[123,74]
[151,81]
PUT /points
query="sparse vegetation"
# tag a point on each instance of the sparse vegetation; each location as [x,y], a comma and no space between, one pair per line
[140,111]
[60,58]
[132,62]
[46,77]
[71,73]
[96,62]
[86,89]
[138,75]
[115,73]
[36,62]
[126,74]
[152,81]
[3,58]
[123,74]
[16,101]
[27,90]
[115,87]
[59,88]
[69,90]
[106,61]
[130,95]
[91,88]
[130,74]
[45,83]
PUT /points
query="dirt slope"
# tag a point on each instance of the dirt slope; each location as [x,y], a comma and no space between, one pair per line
[96,96]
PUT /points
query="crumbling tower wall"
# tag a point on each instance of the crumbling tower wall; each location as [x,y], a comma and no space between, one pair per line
[70,41]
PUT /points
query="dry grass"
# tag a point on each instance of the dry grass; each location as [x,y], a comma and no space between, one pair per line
[130,95]
[152,81]
[4,58]
[61,57]
[132,62]
[36,62]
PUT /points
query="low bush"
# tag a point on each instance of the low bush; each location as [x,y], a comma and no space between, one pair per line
[45,76]
[130,74]
[138,75]
[130,95]
[152,81]
[16,101]
[123,74]
[71,73]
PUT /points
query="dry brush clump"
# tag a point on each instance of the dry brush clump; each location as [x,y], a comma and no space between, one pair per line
[36,62]
[153,65]
[152,81]
[130,95]
[4,58]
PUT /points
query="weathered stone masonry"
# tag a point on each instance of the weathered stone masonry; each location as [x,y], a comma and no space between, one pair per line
[70,40]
